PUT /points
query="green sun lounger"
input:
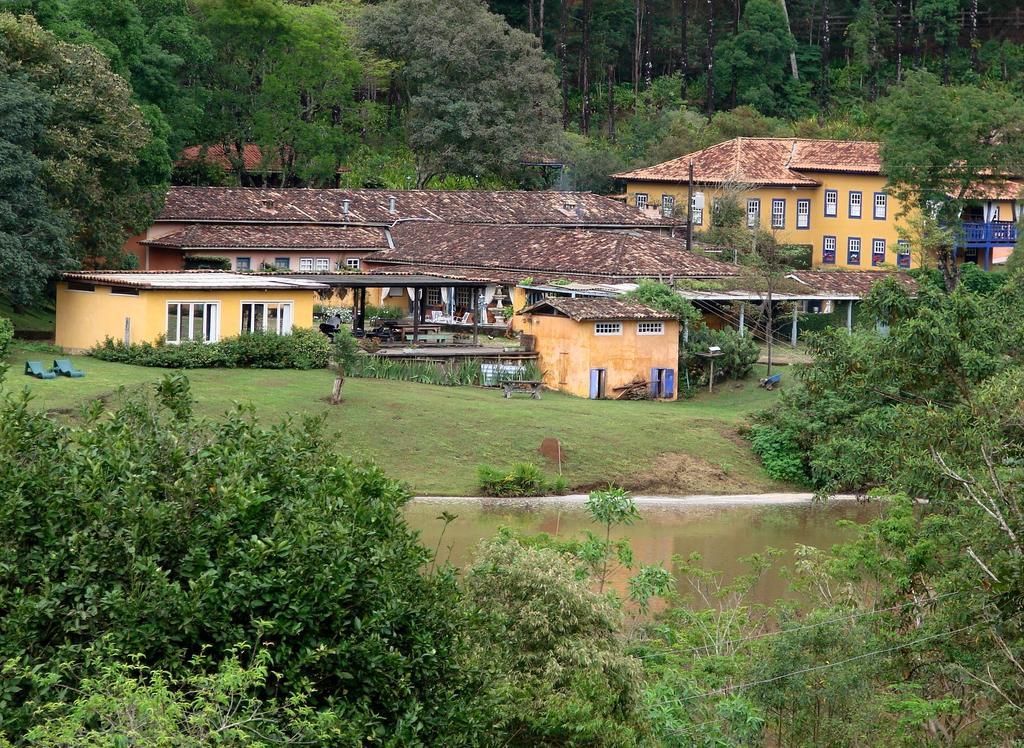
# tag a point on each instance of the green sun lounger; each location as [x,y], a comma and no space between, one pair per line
[35,369]
[65,368]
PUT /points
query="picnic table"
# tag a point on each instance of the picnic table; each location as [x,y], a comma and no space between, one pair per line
[530,386]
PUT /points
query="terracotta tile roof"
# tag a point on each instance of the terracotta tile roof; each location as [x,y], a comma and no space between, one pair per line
[589,309]
[252,157]
[848,282]
[1010,189]
[207,235]
[765,161]
[266,205]
[547,252]
[196,280]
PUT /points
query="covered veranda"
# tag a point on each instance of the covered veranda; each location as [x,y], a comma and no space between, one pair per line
[417,285]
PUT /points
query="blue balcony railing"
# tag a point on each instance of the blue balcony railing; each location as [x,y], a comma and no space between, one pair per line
[987,234]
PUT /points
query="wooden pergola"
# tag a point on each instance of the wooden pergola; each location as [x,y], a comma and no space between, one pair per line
[359,282]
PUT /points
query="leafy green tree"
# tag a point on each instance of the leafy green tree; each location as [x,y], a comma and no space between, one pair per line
[939,142]
[284,76]
[479,95]
[33,236]
[610,507]
[147,531]
[752,64]
[100,169]
[344,354]
[559,673]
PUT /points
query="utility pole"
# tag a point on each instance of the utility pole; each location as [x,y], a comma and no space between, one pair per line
[689,210]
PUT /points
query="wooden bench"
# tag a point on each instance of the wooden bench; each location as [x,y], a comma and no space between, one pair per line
[510,386]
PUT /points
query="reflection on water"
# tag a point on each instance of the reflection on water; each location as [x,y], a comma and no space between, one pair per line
[720,534]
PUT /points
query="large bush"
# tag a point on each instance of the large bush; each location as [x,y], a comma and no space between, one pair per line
[302,349]
[148,531]
[739,354]
[6,336]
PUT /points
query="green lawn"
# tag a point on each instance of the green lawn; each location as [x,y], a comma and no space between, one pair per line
[434,437]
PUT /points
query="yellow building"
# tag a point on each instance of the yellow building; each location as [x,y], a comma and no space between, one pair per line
[199,305]
[827,194]
[593,347]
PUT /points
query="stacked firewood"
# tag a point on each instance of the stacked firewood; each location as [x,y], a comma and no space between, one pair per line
[638,389]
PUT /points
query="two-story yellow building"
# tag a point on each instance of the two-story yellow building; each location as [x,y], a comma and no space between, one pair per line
[828,194]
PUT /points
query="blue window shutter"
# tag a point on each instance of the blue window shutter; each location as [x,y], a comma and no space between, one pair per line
[668,383]
[594,375]
[655,382]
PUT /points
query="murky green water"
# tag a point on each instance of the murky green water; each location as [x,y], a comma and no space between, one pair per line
[722,534]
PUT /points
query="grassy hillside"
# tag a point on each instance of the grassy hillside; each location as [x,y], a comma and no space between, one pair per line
[434,437]
[32,322]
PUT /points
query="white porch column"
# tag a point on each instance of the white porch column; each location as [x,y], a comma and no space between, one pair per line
[743,311]
[792,332]
[849,315]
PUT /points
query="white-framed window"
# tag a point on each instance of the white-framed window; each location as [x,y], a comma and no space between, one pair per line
[878,252]
[831,203]
[668,205]
[352,263]
[698,213]
[828,250]
[306,264]
[853,251]
[322,264]
[779,213]
[607,328]
[803,214]
[243,263]
[267,316]
[641,199]
[192,320]
[881,205]
[753,212]
[650,328]
[282,263]
[856,203]
[903,254]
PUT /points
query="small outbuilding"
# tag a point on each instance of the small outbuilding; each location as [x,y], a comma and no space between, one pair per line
[205,306]
[600,347]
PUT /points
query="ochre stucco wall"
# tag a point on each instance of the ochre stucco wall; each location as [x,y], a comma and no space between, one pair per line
[85,318]
[568,350]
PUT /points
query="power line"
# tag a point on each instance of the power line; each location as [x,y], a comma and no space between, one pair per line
[817,668]
[765,634]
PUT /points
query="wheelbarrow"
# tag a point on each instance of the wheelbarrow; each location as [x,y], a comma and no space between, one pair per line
[769,382]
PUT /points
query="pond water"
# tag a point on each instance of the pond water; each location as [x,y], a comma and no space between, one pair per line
[720,533]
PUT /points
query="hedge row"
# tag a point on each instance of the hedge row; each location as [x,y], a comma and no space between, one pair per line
[303,349]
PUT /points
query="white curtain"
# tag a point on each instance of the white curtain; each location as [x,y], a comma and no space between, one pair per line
[412,293]
[1018,208]
[489,292]
[444,295]
[384,293]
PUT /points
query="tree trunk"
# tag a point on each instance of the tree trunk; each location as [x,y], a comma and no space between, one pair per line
[611,103]
[540,22]
[563,58]
[339,381]
[826,48]
[709,58]
[638,9]
[792,53]
[588,7]
[684,55]
[899,40]
[974,34]
[529,16]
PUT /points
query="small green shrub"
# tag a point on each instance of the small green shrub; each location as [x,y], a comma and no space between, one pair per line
[303,349]
[203,262]
[383,312]
[523,479]
[779,453]
[6,336]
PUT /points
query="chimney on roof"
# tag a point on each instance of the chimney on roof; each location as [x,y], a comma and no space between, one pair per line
[345,205]
[392,205]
